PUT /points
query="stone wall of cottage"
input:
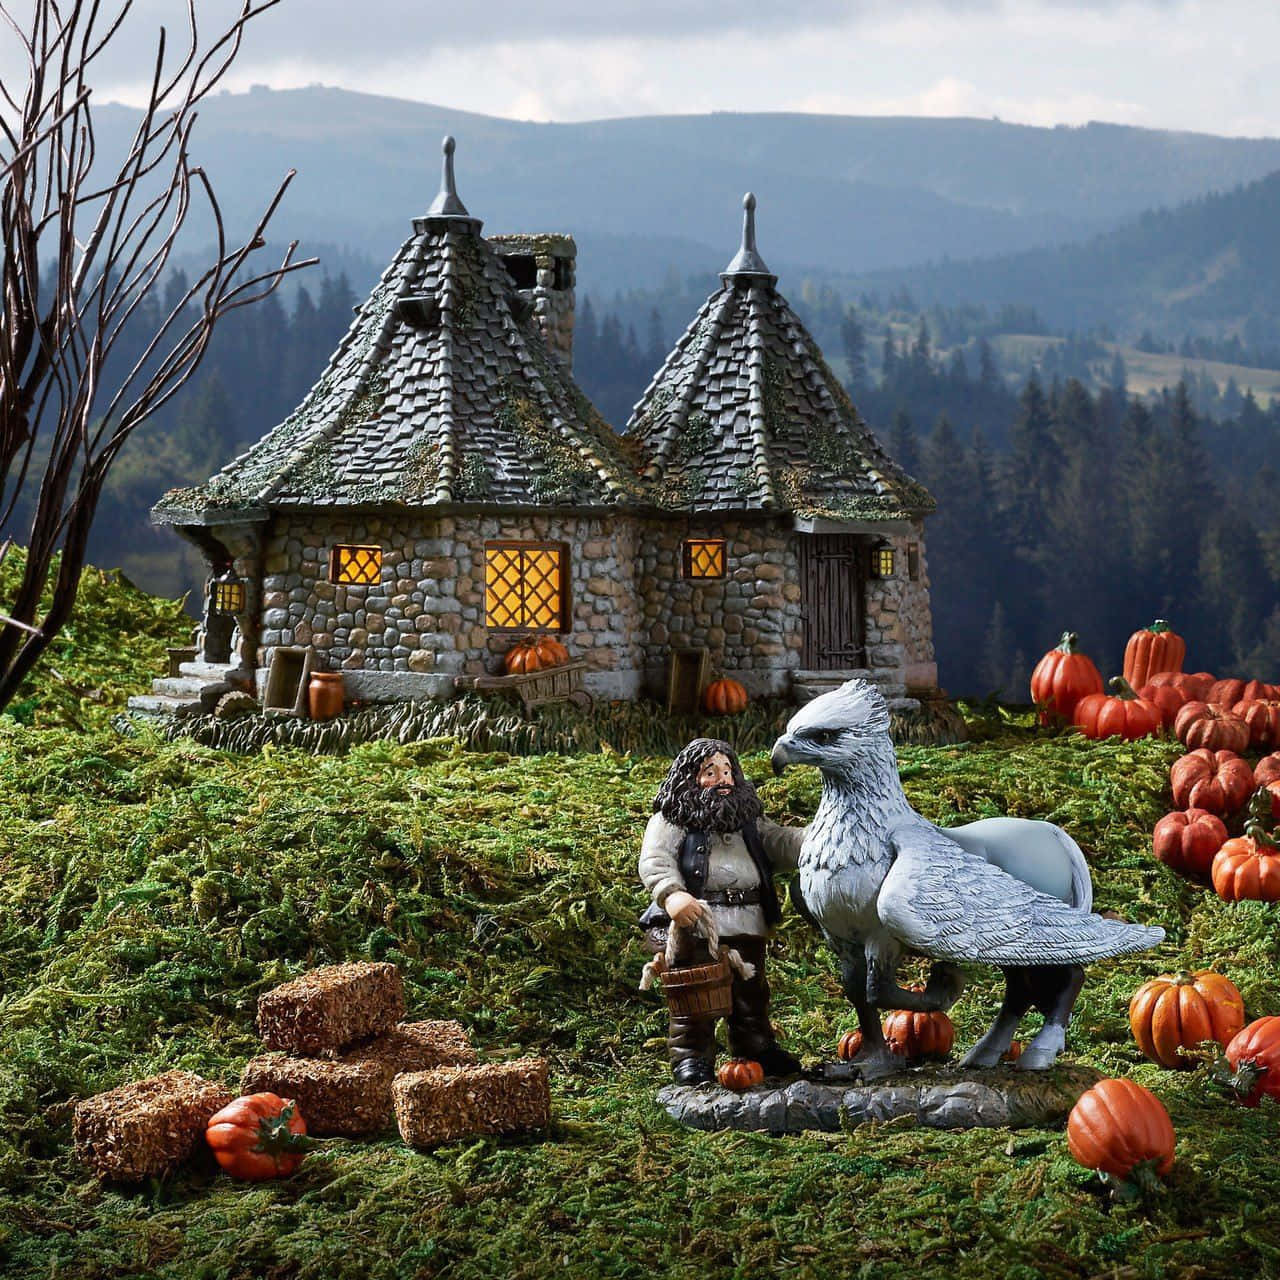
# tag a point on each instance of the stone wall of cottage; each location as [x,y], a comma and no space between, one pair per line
[899,620]
[423,623]
[749,621]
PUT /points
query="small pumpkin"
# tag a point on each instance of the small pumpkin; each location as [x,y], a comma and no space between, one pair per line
[1152,650]
[1187,842]
[1170,698]
[1248,867]
[1254,1055]
[1220,781]
[259,1136]
[1267,770]
[1226,693]
[1195,685]
[1122,712]
[919,1035]
[1013,1052]
[849,1045]
[523,657]
[1062,677]
[724,697]
[740,1073]
[1171,1016]
[1200,724]
[1122,1130]
[551,653]
[1262,715]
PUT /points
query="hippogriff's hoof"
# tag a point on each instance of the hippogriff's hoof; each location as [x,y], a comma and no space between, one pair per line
[777,1062]
[833,1073]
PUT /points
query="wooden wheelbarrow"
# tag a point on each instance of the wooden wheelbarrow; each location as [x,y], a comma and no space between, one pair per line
[538,688]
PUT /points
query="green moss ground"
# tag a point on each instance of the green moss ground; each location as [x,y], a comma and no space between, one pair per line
[149,891]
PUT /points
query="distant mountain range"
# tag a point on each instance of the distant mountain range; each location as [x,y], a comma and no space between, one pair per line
[839,196]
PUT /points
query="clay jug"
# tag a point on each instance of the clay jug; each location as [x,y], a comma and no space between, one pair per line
[324,695]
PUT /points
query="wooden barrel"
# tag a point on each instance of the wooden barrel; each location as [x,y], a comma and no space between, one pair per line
[700,990]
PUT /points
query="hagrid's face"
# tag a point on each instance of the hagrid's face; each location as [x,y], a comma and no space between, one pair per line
[717,773]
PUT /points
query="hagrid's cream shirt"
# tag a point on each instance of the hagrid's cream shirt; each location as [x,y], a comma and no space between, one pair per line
[730,868]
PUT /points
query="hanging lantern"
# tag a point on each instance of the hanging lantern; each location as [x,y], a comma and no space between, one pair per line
[228,593]
[882,559]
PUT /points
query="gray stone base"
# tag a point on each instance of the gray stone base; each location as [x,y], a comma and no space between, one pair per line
[939,1097]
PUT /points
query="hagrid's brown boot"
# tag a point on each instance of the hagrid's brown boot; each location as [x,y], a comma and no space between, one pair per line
[691,1049]
[750,1031]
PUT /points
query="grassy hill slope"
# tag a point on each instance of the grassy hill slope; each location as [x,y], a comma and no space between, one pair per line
[149,892]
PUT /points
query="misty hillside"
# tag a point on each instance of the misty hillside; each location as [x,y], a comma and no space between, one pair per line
[837,194]
[1210,265]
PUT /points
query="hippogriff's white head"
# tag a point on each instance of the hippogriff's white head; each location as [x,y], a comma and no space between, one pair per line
[835,729]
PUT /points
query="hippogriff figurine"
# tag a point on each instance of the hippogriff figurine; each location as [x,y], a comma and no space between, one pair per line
[879,880]
[708,856]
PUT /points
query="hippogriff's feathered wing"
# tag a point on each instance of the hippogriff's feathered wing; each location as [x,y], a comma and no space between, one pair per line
[947,903]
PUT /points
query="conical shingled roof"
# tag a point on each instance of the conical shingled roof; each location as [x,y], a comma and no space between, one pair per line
[441,392]
[746,415]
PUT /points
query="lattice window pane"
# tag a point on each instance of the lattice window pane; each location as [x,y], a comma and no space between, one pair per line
[355,566]
[524,587]
[704,558]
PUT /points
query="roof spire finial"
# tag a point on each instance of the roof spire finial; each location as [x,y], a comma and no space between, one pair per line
[747,262]
[446,204]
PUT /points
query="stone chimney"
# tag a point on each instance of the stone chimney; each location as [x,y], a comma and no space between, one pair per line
[542,270]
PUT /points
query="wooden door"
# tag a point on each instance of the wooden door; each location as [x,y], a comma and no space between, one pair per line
[833,586]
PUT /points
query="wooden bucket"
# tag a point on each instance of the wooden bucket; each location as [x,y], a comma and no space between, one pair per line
[700,990]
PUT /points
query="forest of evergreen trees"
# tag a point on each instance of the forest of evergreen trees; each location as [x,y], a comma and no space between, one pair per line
[1058,507]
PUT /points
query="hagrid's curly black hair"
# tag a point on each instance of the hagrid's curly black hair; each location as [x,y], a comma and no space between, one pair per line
[683,802]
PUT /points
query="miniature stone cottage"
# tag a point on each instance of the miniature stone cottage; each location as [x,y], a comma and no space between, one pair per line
[446,487]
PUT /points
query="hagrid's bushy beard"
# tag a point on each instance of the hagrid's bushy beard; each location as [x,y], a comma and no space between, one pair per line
[684,803]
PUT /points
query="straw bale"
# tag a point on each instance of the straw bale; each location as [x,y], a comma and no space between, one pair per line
[343,1099]
[145,1128]
[329,1008]
[416,1046]
[456,1102]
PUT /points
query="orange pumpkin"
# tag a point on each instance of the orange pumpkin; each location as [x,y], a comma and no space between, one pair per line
[551,653]
[1123,1130]
[848,1046]
[1171,1016]
[1187,842]
[724,697]
[258,1136]
[1267,770]
[1219,781]
[523,657]
[1262,715]
[740,1073]
[919,1035]
[1170,698]
[1013,1052]
[1200,724]
[1153,649]
[1194,685]
[1061,678]
[1254,1056]
[1248,867]
[1226,693]
[1123,713]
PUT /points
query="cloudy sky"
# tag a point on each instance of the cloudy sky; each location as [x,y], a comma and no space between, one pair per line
[1194,64]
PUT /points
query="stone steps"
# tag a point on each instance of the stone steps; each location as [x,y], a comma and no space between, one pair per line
[807,685]
[205,671]
[160,704]
[179,686]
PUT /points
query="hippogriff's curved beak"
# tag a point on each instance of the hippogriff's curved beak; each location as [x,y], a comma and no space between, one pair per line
[780,757]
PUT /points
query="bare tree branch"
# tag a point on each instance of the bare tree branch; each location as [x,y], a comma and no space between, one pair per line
[102,237]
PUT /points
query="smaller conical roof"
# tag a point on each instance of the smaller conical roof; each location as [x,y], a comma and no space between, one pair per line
[746,415]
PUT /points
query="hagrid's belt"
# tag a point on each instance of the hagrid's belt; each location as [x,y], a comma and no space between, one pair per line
[732,897]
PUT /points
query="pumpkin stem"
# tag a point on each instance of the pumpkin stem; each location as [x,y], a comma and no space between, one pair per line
[1122,688]
[1183,978]
[1069,643]
[1259,814]
[1158,626]
[276,1138]
[1145,1179]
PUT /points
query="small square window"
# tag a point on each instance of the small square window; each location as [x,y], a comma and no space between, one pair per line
[882,560]
[704,558]
[355,566]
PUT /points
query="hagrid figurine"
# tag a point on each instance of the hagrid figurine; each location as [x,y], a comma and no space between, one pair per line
[708,860]
[880,880]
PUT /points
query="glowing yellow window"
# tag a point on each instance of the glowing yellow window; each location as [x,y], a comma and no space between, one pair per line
[704,558]
[524,585]
[355,566]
